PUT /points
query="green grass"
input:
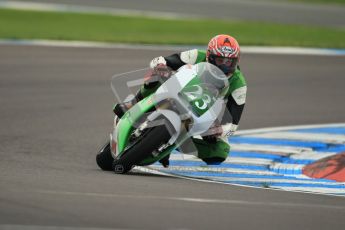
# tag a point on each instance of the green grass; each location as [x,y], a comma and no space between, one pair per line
[17,24]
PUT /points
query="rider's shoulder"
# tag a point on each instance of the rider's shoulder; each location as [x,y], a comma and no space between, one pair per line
[238,76]
[186,66]
[237,79]
[193,56]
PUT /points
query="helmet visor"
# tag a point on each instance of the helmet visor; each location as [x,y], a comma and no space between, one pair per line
[230,62]
[227,65]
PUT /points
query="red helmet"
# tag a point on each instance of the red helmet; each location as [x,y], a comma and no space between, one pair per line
[223,51]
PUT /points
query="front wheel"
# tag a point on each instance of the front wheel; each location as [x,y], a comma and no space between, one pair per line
[104,158]
[149,142]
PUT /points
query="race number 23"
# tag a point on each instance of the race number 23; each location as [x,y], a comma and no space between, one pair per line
[200,99]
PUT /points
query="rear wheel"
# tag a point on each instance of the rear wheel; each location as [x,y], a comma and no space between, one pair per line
[149,142]
[104,158]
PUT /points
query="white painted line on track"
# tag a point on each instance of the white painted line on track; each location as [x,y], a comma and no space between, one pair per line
[55,7]
[326,138]
[311,156]
[49,227]
[208,180]
[284,168]
[214,170]
[231,160]
[279,150]
[248,161]
[189,199]
[294,51]
[318,190]
[268,180]
[284,128]
[105,45]
[86,44]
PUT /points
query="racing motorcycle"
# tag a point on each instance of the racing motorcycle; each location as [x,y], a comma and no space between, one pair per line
[185,105]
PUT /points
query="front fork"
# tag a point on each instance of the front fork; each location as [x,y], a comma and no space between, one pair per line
[113,139]
[162,111]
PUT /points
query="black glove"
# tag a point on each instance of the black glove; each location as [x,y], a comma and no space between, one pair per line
[165,161]
[160,73]
[210,139]
[120,109]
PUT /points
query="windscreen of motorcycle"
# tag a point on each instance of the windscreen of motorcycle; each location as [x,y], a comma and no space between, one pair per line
[125,85]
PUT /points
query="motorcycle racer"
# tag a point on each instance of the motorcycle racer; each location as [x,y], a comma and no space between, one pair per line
[223,51]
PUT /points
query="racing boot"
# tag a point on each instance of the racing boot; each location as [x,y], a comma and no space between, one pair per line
[165,161]
[212,150]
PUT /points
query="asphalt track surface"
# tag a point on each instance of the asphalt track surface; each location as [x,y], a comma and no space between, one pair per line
[56,113]
[279,11]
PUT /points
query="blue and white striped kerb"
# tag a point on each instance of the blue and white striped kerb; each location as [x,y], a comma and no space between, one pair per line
[268,158]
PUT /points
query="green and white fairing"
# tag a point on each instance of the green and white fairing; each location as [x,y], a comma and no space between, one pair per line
[195,94]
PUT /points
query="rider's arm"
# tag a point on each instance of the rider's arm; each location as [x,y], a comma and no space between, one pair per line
[175,61]
[234,110]
[148,88]
[235,104]
[231,117]
[152,81]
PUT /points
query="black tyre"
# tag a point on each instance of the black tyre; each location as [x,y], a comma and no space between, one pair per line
[146,144]
[104,158]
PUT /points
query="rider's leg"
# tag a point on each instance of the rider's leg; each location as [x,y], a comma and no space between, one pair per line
[212,150]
